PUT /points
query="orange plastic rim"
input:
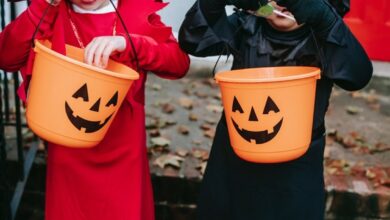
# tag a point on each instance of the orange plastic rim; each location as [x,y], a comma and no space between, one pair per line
[268,74]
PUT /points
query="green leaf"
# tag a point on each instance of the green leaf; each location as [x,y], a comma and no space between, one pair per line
[265,11]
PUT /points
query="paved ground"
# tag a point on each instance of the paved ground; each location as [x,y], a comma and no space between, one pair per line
[181,116]
[181,120]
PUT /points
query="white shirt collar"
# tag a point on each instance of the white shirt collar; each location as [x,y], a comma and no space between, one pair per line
[106,9]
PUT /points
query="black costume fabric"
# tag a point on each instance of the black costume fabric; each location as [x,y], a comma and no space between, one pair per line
[234,189]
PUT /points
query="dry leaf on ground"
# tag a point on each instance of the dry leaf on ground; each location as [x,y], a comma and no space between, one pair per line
[181,152]
[202,167]
[209,133]
[168,108]
[154,133]
[168,159]
[353,110]
[184,130]
[160,141]
[192,117]
[186,103]
[215,108]
[200,154]
[156,87]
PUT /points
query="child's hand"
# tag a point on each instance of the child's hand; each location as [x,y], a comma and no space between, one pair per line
[313,12]
[247,4]
[99,50]
[53,2]
[316,13]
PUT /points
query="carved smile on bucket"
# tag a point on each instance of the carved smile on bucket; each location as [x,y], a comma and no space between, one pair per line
[259,136]
[78,122]
[96,110]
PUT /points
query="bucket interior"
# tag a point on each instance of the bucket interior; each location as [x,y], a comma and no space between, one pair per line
[75,56]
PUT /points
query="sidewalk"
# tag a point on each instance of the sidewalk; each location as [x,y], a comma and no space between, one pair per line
[181,119]
[381,68]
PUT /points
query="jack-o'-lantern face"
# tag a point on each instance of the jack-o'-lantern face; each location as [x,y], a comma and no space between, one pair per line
[258,136]
[95,109]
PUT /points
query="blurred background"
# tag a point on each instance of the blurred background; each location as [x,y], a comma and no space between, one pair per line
[181,120]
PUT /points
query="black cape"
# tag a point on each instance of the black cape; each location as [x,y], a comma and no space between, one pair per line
[235,189]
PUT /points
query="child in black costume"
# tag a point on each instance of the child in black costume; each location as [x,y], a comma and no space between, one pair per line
[236,189]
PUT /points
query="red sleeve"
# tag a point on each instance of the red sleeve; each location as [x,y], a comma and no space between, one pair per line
[165,59]
[15,39]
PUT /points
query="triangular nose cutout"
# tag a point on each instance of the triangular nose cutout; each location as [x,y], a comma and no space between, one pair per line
[253,116]
[95,106]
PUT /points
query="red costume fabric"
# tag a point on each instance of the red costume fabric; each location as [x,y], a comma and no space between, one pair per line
[112,180]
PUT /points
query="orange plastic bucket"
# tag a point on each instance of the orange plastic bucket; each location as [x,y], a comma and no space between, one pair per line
[71,103]
[269,111]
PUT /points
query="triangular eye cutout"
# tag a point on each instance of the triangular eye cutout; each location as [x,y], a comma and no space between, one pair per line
[113,101]
[253,116]
[270,106]
[236,106]
[95,106]
[82,93]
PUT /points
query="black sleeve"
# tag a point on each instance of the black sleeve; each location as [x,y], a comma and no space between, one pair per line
[345,61]
[200,37]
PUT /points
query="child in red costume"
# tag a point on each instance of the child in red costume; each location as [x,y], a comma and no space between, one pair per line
[110,181]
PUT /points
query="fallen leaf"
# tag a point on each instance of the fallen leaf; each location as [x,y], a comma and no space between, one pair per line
[349,142]
[186,103]
[358,137]
[217,96]
[182,152]
[327,152]
[209,133]
[168,108]
[370,174]
[170,121]
[154,133]
[202,167]
[358,170]
[215,108]
[380,148]
[385,182]
[205,126]
[200,154]
[372,97]
[195,84]
[210,82]
[192,117]
[182,129]
[168,159]
[196,142]
[163,122]
[187,92]
[156,87]
[331,132]
[337,167]
[374,106]
[353,110]
[151,123]
[211,121]
[356,94]
[160,141]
